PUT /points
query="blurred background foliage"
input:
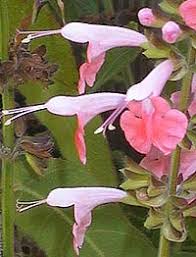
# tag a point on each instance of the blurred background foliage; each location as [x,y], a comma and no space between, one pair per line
[43,231]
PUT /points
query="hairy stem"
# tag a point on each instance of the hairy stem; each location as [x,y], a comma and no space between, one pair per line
[164,244]
[8,205]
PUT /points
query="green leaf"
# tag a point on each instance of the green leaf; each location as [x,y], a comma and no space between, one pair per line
[116,61]
[75,9]
[156,53]
[169,8]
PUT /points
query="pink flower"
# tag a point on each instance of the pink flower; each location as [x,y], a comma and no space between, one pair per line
[85,107]
[171,32]
[153,123]
[146,17]
[88,106]
[159,164]
[187,10]
[84,200]
[100,38]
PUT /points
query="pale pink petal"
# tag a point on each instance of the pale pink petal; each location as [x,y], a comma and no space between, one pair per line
[171,32]
[153,83]
[188,163]
[108,36]
[187,11]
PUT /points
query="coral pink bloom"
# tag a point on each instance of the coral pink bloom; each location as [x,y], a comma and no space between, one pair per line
[100,38]
[153,123]
[187,11]
[171,32]
[159,164]
[84,200]
[85,107]
[146,17]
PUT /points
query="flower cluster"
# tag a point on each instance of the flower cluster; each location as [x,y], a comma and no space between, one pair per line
[152,125]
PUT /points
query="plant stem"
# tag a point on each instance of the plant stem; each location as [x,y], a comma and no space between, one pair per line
[164,244]
[8,204]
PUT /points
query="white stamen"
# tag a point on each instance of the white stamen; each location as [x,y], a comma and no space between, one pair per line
[21,112]
[111,127]
[29,205]
[26,39]
[38,34]
[98,130]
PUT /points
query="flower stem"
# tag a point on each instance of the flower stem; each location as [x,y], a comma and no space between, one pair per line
[8,205]
[164,243]
[164,246]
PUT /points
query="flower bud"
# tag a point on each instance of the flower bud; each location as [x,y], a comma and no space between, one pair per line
[146,17]
[171,32]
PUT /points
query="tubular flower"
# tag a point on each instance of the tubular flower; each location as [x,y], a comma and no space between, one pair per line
[88,106]
[153,123]
[100,38]
[159,164]
[85,107]
[187,10]
[171,32]
[84,200]
[146,17]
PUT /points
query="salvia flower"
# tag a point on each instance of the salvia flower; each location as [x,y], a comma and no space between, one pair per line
[146,17]
[171,32]
[84,200]
[88,106]
[100,38]
[85,107]
[188,10]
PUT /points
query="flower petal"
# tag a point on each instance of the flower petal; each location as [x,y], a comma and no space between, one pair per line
[152,84]
[88,72]
[133,123]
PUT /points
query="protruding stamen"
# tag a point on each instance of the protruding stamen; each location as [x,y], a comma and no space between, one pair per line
[21,112]
[98,130]
[20,204]
[109,122]
[111,127]
[37,34]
